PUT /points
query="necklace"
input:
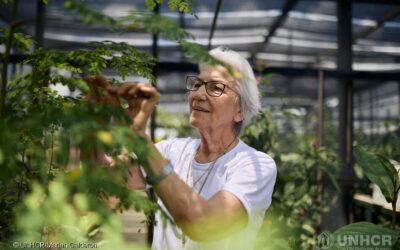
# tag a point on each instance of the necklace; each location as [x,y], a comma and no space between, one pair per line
[189,176]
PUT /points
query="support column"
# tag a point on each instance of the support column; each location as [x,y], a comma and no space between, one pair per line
[344,63]
[341,213]
[40,21]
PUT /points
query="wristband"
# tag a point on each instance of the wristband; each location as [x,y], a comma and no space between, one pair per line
[160,176]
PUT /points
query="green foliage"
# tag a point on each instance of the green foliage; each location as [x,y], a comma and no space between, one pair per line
[20,41]
[153,23]
[165,27]
[64,202]
[90,16]
[175,125]
[62,195]
[379,171]
[182,5]
[106,54]
[291,221]
[386,143]
[261,132]
[295,204]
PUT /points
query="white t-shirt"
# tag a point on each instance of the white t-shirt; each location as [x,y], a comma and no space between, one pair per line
[245,172]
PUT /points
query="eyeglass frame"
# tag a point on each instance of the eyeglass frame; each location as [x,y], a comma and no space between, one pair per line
[205,86]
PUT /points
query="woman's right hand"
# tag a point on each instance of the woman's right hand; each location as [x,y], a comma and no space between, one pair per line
[95,83]
[141,98]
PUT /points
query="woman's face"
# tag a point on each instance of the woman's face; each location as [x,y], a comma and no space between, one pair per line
[207,112]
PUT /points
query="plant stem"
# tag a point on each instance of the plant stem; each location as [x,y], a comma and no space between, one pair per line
[22,178]
[6,58]
[394,203]
[52,151]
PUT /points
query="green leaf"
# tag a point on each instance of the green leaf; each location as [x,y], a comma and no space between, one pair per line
[375,172]
[364,235]
[308,228]
[81,202]
[390,170]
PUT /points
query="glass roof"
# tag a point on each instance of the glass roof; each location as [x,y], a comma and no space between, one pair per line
[308,32]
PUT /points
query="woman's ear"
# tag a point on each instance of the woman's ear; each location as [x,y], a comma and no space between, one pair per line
[238,111]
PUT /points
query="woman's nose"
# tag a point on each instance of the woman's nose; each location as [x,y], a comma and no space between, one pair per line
[201,92]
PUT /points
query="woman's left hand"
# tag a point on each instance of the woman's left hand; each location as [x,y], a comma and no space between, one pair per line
[142,98]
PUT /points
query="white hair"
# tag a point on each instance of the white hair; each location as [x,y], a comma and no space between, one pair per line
[246,84]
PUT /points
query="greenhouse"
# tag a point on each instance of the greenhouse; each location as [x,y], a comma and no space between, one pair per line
[108,139]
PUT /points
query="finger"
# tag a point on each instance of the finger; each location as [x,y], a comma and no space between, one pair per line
[134,92]
[91,81]
[97,81]
[150,92]
[112,89]
[101,81]
[89,98]
[125,88]
[142,90]
[110,99]
[88,79]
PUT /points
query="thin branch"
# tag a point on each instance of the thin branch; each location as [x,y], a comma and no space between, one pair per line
[214,24]
[397,190]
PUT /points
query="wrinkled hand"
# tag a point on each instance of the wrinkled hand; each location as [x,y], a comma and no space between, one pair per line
[141,98]
[99,84]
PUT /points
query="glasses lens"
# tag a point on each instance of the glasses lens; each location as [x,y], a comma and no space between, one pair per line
[215,88]
[192,83]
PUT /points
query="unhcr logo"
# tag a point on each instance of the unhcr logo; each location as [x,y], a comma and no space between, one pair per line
[370,241]
[356,241]
[324,240]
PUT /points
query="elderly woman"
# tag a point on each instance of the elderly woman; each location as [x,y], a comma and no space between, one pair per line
[216,188]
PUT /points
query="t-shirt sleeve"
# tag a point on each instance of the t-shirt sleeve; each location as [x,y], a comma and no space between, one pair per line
[252,181]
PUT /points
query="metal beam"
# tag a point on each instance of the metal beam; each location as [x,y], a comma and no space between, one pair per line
[366,32]
[275,25]
[380,23]
[338,74]
[378,1]
[214,24]
[362,1]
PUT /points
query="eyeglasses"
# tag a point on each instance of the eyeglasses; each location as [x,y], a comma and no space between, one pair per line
[213,88]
